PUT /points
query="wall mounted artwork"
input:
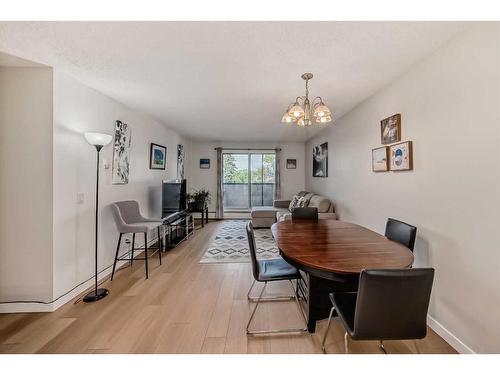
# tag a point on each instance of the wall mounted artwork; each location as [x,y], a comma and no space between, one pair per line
[401,156]
[291,163]
[180,162]
[390,129]
[121,152]
[380,159]
[157,156]
[320,160]
[204,163]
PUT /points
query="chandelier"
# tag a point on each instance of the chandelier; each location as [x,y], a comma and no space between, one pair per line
[302,112]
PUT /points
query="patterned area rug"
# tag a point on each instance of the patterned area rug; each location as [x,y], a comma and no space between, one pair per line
[230,244]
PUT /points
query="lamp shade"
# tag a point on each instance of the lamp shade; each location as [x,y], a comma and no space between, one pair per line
[287,118]
[296,111]
[97,139]
[322,111]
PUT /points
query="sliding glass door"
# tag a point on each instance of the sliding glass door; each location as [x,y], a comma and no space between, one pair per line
[248,180]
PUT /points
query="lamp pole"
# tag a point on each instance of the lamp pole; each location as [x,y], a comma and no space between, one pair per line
[97,293]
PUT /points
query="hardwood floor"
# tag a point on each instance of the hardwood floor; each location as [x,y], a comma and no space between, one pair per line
[184,307]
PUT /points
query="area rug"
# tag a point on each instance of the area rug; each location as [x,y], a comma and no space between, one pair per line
[230,244]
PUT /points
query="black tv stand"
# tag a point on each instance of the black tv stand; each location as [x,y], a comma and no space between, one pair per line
[178,227]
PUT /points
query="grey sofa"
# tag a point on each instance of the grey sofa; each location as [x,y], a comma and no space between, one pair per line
[264,217]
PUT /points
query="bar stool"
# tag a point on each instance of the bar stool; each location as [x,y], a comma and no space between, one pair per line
[128,219]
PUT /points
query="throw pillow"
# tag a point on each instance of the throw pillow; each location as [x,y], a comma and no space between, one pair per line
[293,203]
[302,202]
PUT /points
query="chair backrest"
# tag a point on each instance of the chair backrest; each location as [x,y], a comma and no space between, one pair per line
[126,212]
[401,232]
[393,304]
[308,213]
[253,250]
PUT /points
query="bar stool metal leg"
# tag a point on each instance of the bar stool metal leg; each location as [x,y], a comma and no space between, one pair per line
[116,256]
[132,251]
[159,245]
[346,344]
[146,253]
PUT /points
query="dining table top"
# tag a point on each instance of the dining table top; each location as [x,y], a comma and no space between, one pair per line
[338,247]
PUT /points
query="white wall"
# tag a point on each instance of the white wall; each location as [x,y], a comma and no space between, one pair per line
[292,180]
[78,108]
[450,107]
[25,183]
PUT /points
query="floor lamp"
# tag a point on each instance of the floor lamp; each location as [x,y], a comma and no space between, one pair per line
[98,140]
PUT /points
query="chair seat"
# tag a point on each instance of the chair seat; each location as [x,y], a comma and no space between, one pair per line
[345,306]
[276,269]
[142,226]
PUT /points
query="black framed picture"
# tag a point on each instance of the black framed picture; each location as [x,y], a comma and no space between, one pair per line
[157,156]
[320,160]
[291,163]
[204,163]
[390,129]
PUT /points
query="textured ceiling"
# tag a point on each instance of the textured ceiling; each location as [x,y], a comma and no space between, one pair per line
[229,80]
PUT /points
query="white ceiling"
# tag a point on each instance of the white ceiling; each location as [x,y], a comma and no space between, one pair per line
[229,80]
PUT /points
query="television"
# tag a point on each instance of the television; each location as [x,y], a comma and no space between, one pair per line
[173,197]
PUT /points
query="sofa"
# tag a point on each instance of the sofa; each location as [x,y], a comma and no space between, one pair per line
[264,217]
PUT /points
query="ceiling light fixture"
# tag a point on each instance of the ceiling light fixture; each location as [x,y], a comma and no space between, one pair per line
[302,113]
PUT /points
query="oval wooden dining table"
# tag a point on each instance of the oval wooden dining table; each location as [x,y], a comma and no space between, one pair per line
[331,254]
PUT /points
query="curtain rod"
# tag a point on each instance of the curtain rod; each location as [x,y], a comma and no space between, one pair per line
[248,149]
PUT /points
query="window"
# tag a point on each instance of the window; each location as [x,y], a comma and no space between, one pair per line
[248,180]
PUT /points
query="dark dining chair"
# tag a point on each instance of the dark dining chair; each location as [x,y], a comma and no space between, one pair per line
[389,305]
[128,219]
[268,270]
[307,213]
[401,232]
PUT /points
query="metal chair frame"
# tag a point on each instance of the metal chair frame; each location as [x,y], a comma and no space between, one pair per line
[131,251]
[259,299]
[346,338]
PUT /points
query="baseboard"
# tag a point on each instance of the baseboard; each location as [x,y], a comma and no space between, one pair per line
[53,306]
[26,307]
[449,337]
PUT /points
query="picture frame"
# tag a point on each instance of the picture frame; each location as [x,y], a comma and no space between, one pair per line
[390,129]
[320,160]
[291,163]
[121,154]
[401,156]
[380,159]
[180,162]
[204,163]
[157,157]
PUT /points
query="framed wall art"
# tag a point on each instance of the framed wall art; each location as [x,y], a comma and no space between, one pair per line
[380,159]
[320,160]
[390,129]
[157,156]
[121,152]
[204,163]
[401,156]
[291,163]
[180,162]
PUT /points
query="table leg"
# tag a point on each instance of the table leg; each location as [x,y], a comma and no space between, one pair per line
[318,301]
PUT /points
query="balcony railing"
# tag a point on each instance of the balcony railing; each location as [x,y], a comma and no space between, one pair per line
[236,195]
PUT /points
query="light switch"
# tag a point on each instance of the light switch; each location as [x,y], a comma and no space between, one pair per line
[105,164]
[80,198]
